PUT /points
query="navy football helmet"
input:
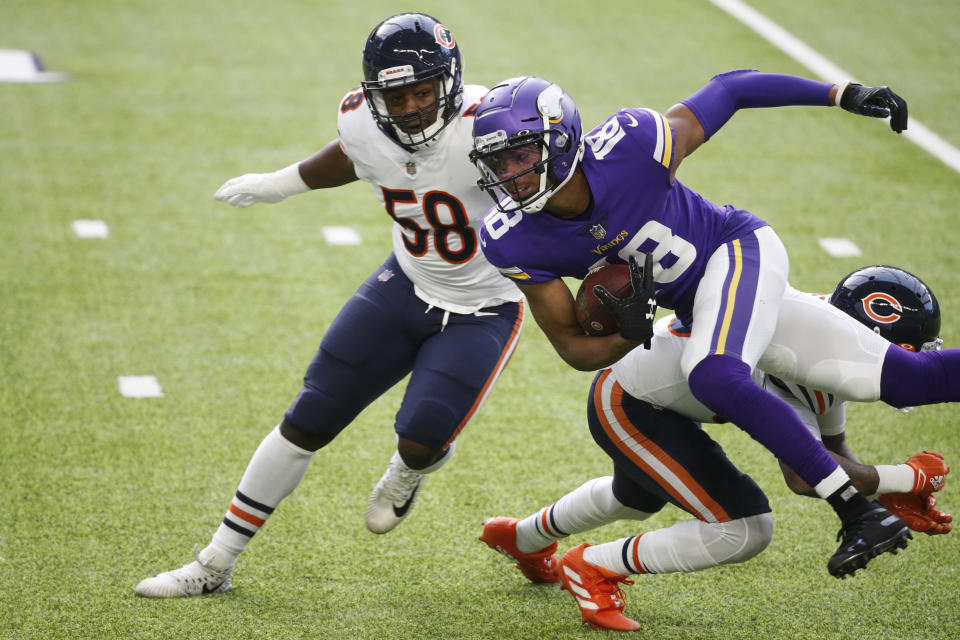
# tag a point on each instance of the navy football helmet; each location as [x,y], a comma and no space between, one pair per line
[531,124]
[403,50]
[894,303]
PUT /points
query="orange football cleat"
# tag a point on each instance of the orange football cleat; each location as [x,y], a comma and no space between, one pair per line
[596,591]
[500,534]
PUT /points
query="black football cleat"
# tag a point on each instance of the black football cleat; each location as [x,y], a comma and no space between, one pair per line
[872,533]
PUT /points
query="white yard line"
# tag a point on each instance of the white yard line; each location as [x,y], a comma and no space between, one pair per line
[917,132]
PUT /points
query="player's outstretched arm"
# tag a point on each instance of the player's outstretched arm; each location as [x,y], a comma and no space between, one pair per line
[695,119]
[688,134]
[873,102]
[329,167]
[716,102]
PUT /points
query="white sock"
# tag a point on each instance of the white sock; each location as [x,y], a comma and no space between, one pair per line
[587,507]
[895,478]
[609,555]
[275,470]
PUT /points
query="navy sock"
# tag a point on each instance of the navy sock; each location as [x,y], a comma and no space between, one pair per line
[913,379]
[848,503]
[723,383]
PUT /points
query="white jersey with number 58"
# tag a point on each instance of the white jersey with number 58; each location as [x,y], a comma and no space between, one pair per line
[437,207]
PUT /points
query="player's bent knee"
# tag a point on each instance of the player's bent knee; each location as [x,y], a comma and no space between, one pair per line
[718,380]
[418,456]
[429,423]
[741,539]
[302,439]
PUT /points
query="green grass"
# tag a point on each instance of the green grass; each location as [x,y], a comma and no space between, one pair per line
[226,308]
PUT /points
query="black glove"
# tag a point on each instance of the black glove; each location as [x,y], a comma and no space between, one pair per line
[635,313]
[875,102]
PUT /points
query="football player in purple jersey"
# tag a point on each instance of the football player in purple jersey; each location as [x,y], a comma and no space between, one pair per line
[435,309]
[642,414]
[611,195]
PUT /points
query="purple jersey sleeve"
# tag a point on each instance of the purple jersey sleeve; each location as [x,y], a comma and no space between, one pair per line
[505,251]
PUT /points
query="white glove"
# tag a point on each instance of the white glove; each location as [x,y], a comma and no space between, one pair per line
[252,188]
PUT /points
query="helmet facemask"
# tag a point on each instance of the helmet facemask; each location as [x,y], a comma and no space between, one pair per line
[495,155]
[410,129]
[544,138]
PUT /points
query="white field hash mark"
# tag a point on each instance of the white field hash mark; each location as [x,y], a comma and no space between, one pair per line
[139,387]
[840,247]
[19,65]
[90,228]
[341,235]
[779,37]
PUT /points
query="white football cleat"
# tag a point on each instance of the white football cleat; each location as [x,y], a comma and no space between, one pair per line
[194,579]
[394,495]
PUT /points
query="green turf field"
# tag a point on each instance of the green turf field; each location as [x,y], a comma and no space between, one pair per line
[226,307]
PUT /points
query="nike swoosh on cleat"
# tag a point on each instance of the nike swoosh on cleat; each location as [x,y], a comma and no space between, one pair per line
[402,509]
[207,589]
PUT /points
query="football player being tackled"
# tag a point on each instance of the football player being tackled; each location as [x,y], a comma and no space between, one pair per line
[612,196]
[435,309]
[643,415]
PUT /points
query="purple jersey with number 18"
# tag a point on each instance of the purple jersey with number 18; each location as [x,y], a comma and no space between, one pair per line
[634,209]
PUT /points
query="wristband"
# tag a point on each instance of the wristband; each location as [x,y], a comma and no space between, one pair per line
[719,99]
[288,181]
[841,87]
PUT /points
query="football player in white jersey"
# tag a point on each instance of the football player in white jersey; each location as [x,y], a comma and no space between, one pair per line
[644,416]
[435,309]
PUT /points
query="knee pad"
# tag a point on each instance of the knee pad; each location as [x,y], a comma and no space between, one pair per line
[741,539]
[717,381]
[431,423]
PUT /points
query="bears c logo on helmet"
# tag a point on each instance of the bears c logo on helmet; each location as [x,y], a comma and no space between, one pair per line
[882,307]
[443,36]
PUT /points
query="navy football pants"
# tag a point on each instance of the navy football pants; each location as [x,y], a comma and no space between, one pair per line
[385,332]
[659,456]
